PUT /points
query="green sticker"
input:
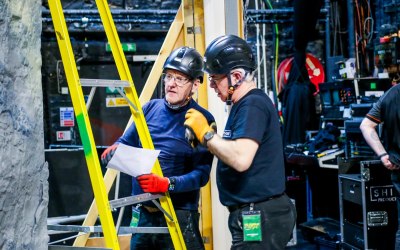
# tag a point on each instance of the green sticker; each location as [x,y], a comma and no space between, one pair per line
[135,217]
[126,47]
[252,226]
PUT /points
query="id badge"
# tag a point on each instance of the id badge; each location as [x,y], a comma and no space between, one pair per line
[135,217]
[252,226]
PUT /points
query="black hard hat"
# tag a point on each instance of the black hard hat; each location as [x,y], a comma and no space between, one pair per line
[186,60]
[226,53]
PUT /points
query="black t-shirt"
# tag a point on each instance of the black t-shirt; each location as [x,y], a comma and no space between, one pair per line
[253,117]
[387,110]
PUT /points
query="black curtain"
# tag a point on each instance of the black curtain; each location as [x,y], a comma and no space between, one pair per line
[298,103]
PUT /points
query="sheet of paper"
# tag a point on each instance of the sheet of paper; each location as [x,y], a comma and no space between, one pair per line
[133,161]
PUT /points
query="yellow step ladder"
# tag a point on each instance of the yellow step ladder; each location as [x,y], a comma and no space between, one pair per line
[75,87]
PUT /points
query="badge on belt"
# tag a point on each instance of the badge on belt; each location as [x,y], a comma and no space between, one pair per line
[252,224]
[135,216]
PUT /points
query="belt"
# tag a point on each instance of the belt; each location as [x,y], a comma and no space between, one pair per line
[236,207]
[151,209]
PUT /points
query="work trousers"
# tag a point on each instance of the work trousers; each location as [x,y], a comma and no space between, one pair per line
[189,225]
[396,185]
[278,218]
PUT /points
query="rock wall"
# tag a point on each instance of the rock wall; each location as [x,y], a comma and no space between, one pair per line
[23,172]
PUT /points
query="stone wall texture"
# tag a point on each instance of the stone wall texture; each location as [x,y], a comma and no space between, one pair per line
[23,171]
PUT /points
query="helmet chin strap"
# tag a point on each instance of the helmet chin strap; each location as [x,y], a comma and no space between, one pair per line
[178,106]
[232,89]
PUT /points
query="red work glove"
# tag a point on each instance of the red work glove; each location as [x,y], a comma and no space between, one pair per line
[108,154]
[151,183]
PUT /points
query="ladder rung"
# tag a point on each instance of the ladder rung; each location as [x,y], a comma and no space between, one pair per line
[103,83]
[133,199]
[74,228]
[98,229]
[143,230]
[62,247]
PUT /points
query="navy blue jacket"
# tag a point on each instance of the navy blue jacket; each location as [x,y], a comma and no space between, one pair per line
[190,167]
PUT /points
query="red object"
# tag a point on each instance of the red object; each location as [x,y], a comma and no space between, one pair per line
[384,39]
[151,183]
[314,67]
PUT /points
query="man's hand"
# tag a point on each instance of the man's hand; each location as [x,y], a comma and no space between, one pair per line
[197,124]
[151,183]
[189,135]
[390,161]
[108,154]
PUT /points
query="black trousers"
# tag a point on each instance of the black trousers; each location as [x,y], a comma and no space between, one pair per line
[278,217]
[188,222]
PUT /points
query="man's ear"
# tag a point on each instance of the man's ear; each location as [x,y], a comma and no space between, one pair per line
[237,77]
[196,84]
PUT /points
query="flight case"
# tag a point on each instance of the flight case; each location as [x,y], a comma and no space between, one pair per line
[368,210]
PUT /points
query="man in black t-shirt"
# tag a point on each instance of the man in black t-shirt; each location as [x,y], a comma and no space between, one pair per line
[387,112]
[250,171]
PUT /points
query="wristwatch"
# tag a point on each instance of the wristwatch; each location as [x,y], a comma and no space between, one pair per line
[171,185]
[208,136]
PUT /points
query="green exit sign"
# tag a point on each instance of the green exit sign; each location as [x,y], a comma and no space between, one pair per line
[126,47]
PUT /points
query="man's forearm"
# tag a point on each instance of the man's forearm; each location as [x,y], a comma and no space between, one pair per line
[238,154]
[371,136]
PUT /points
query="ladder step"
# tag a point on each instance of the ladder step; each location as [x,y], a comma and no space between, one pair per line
[133,199]
[143,230]
[59,247]
[98,229]
[104,83]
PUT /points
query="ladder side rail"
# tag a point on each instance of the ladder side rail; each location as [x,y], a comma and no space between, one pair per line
[93,212]
[151,83]
[124,73]
[82,118]
[194,22]
[97,229]
[138,117]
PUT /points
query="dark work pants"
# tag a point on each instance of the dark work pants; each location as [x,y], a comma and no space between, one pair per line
[278,217]
[396,185]
[188,222]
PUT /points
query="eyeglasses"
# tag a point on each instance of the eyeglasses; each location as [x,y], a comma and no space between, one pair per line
[214,80]
[179,80]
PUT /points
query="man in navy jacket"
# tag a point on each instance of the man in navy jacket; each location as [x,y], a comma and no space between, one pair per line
[185,169]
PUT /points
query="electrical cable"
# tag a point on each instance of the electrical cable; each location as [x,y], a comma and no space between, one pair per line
[58,75]
[364,31]
[370,32]
[265,61]
[258,38]
[276,31]
[335,21]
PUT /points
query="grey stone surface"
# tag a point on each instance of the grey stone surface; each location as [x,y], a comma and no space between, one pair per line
[23,171]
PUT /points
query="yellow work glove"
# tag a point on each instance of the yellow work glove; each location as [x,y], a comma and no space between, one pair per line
[197,125]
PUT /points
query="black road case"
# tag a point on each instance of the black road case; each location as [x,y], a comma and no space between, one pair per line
[368,210]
